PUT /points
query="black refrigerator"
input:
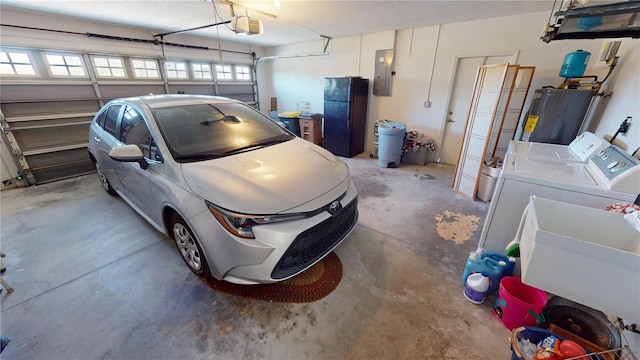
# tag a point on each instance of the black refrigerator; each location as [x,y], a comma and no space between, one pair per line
[556,116]
[345,115]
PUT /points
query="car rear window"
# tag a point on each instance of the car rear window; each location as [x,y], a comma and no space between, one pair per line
[111,119]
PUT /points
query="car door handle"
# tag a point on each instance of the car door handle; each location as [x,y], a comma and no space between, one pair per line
[97,139]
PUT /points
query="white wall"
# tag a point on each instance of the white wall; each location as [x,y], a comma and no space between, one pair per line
[417,50]
[624,82]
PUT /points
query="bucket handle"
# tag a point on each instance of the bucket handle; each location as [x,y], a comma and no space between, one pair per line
[539,317]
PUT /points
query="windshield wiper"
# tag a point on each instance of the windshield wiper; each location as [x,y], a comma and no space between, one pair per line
[198,156]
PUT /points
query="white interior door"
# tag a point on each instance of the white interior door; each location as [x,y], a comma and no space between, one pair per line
[464,78]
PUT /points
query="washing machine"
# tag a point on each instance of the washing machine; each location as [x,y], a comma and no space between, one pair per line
[581,149]
[610,176]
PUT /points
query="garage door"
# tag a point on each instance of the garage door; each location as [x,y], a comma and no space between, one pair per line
[49,98]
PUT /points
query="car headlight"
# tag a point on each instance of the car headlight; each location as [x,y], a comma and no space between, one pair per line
[242,224]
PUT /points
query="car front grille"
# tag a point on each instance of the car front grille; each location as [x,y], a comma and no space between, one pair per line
[317,241]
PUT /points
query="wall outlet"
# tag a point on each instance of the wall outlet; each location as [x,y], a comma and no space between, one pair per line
[427,104]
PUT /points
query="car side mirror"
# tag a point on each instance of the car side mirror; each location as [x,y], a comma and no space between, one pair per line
[129,153]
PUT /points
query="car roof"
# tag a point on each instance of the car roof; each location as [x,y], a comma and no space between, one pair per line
[165,100]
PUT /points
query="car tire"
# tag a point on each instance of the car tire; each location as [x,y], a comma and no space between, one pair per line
[188,246]
[103,179]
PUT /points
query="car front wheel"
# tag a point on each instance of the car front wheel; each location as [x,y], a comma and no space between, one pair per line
[103,180]
[188,246]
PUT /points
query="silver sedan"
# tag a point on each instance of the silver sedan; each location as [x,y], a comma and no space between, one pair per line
[244,200]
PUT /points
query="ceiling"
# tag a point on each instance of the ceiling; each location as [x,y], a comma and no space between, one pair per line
[292,22]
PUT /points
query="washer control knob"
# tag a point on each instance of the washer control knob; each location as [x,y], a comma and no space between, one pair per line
[618,167]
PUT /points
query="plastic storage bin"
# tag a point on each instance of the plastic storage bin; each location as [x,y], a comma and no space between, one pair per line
[534,335]
[418,157]
[596,252]
[290,120]
[390,138]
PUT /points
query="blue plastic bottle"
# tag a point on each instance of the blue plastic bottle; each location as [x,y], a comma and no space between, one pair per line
[473,265]
[477,262]
[509,261]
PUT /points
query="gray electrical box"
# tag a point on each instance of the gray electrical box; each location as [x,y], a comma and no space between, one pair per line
[384,72]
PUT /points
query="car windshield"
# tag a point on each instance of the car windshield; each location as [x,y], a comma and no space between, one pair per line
[207,131]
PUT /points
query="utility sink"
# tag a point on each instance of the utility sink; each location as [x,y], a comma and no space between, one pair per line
[587,255]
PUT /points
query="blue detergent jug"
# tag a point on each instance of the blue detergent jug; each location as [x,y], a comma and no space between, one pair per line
[509,261]
[479,262]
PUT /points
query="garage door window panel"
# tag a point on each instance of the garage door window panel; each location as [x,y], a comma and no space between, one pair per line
[145,69]
[109,67]
[65,65]
[223,72]
[16,63]
[243,73]
[176,70]
[201,71]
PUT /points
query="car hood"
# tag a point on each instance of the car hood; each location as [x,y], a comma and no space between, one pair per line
[268,180]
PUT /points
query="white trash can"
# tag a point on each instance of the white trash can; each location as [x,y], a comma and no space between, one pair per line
[487,183]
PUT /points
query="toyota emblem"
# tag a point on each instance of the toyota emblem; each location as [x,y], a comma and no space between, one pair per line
[334,206]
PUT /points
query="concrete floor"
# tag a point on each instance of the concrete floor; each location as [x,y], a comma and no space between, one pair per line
[94,280]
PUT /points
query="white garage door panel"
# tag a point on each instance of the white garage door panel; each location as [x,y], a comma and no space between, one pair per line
[192,89]
[235,88]
[45,138]
[45,122]
[117,91]
[22,92]
[59,165]
[18,111]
